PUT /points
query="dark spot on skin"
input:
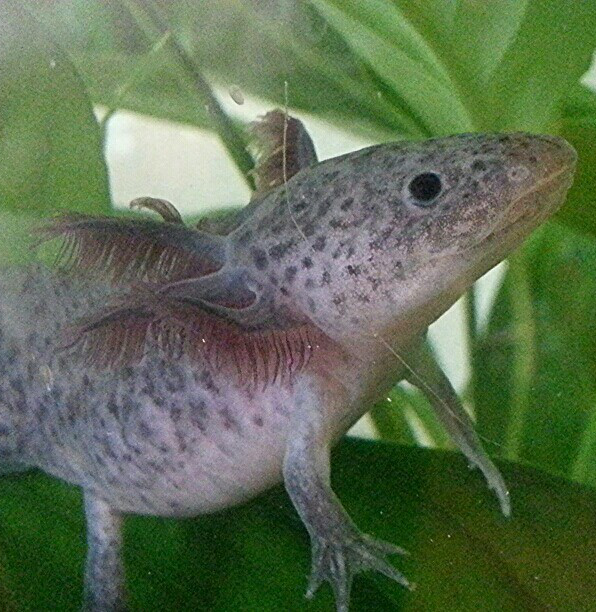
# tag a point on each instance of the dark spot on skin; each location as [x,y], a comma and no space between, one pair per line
[198,414]
[347,204]
[260,258]
[159,400]
[311,305]
[290,273]
[319,243]
[145,430]
[273,280]
[307,263]
[229,421]
[336,253]
[284,291]
[323,208]
[112,408]
[207,380]
[308,230]
[155,466]
[111,454]
[351,251]
[338,299]
[375,283]
[386,233]
[309,284]
[361,219]
[245,237]
[17,386]
[399,270]
[353,270]
[170,386]
[478,166]
[279,250]
[149,386]
[258,421]
[300,206]
[325,278]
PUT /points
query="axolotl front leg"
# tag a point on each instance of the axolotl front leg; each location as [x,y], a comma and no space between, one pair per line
[339,549]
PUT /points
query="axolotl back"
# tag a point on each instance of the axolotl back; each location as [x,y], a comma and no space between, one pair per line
[189,369]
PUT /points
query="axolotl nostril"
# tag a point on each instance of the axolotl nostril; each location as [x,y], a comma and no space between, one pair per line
[186,369]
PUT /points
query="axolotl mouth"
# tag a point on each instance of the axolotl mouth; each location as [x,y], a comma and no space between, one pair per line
[535,204]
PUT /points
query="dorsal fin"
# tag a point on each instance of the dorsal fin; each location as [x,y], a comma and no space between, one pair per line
[135,249]
[270,134]
[267,147]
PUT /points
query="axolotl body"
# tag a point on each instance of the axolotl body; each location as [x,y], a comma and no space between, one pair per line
[190,369]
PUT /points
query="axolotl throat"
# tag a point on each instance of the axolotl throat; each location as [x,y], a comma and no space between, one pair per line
[186,369]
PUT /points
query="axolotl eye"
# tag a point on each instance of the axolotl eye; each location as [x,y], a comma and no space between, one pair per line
[424,189]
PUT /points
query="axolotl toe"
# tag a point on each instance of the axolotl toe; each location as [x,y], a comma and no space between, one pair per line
[183,370]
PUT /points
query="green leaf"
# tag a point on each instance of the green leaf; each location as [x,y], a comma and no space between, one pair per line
[464,554]
[550,52]
[472,25]
[50,146]
[380,34]
[535,388]
[406,417]
[578,126]
[237,43]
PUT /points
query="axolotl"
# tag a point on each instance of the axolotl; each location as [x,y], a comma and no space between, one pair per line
[180,370]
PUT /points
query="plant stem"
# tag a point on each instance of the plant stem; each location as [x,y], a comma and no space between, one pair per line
[151,20]
[471,314]
[523,355]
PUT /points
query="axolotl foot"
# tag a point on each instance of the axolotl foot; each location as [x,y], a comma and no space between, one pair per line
[339,549]
[338,557]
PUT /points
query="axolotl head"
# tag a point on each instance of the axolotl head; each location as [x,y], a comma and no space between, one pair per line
[383,240]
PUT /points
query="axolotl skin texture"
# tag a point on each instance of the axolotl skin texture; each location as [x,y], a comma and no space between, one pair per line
[183,370]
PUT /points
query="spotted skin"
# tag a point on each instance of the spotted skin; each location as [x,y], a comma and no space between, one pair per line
[342,248]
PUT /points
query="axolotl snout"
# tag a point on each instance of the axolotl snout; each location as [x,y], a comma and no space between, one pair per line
[210,363]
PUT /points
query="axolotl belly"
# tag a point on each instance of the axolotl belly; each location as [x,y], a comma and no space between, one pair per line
[188,369]
[167,438]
